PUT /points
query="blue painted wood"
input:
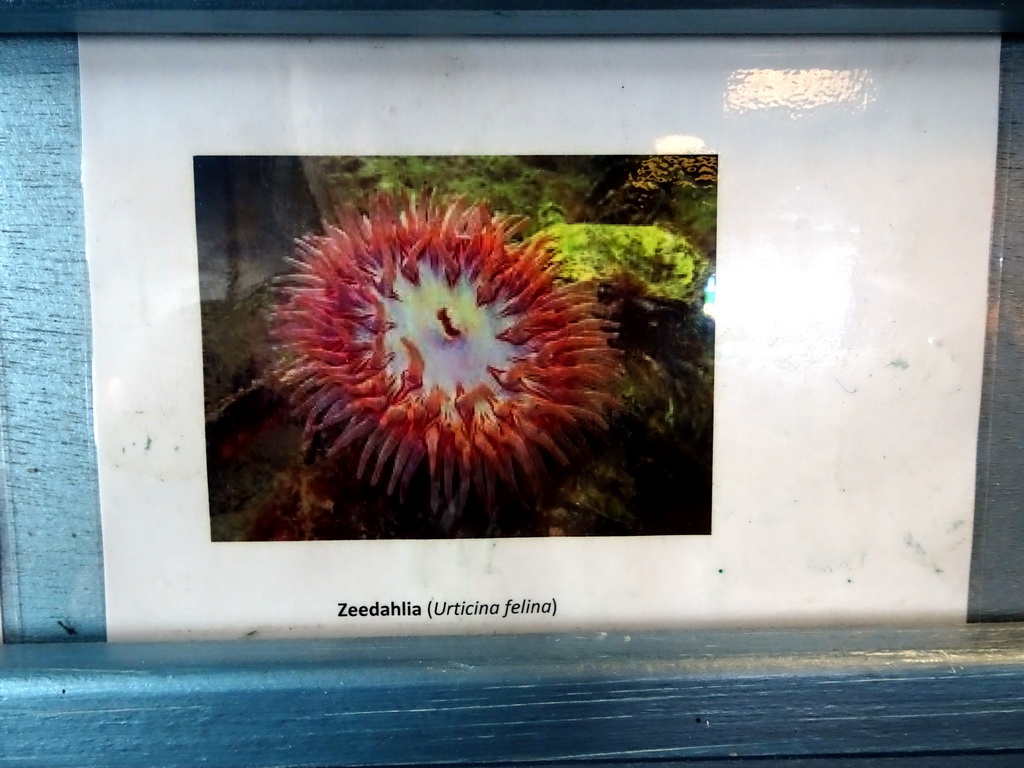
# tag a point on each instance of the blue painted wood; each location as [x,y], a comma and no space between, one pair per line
[997,567]
[514,17]
[51,572]
[519,700]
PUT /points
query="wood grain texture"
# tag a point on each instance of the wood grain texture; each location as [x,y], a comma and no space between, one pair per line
[518,17]
[51,572]
[519,700]
[997,564]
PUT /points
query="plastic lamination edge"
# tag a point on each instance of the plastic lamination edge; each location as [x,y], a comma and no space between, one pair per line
[521,17]
[518,700]
[51,570]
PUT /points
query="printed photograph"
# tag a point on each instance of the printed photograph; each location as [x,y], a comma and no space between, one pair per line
[401,347]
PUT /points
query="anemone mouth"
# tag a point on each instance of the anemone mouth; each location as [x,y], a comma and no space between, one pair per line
[426,332]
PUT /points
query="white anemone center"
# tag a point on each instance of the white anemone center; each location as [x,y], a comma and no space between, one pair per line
[455,337]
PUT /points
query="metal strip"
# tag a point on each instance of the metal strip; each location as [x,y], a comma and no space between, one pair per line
[51,565]
[997,568]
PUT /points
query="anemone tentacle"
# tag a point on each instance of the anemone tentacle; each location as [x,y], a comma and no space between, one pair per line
[427,334]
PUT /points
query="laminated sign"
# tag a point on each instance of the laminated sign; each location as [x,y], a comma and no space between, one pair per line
[436,336]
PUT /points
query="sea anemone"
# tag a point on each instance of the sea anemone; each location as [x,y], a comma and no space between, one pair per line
[427,330]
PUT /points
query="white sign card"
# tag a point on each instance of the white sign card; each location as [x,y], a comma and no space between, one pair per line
[852,183]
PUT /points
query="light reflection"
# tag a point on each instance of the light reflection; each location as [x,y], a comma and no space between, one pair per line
[792,319]
[679,144]
[799,91]
[709,297]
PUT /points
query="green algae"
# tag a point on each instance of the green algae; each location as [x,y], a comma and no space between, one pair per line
[509,184]
[667,264]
